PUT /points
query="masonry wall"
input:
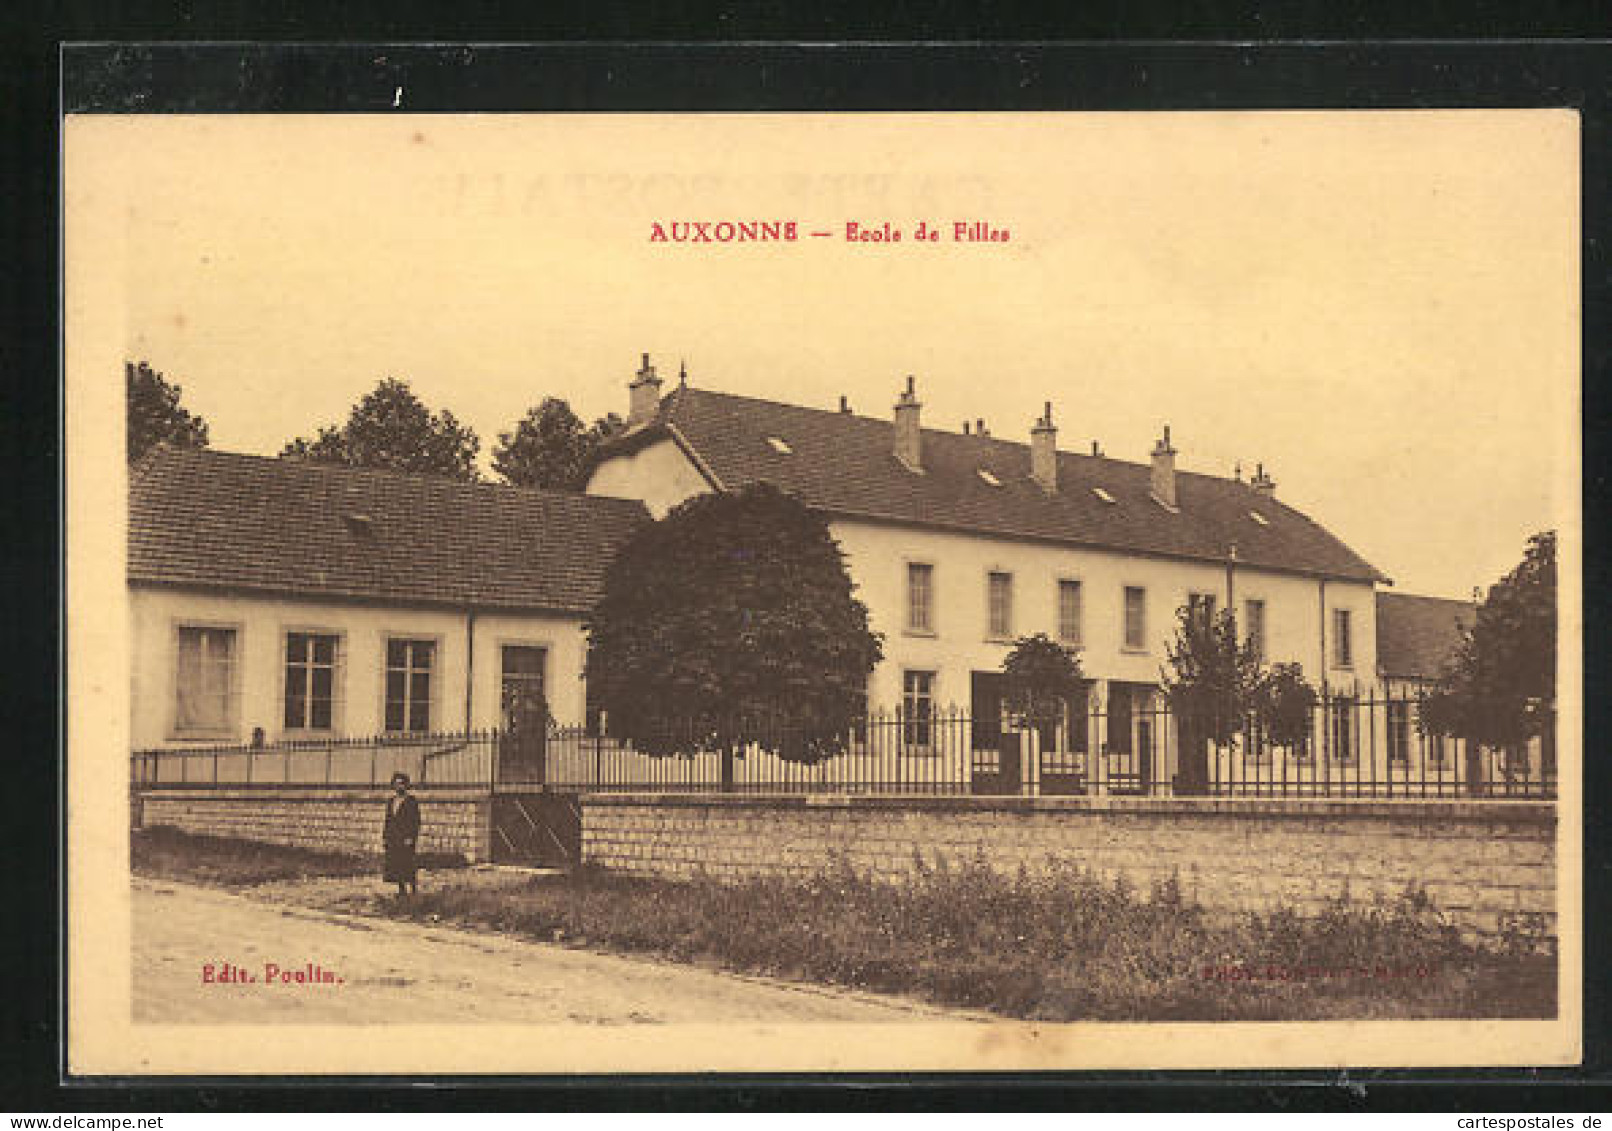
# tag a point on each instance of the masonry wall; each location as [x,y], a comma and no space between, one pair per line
[452,822]
[1483,863]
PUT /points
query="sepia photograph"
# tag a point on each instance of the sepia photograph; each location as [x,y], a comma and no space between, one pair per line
[799,591]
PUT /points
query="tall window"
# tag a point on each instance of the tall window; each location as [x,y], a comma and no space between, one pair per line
[1343,645]
[409,666]
[1254,627]
[1135,617]
[1343,729]
[1399,732]
[917,706]
[920,597]
[205,681]
[1000,590]
[1069,611]
[310,681]
[1201,605]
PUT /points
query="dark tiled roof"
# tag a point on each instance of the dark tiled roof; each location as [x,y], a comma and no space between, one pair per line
[218,519]
[1416,635]
[845,464]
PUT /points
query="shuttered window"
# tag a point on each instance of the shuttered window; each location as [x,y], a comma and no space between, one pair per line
[1069,611]
[1000,596]
[1135,617]
[205,681]
[920,597]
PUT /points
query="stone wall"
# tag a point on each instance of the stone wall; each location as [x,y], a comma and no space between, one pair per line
[1484,863]
[452,822]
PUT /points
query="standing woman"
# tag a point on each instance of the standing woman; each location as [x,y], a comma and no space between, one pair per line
[400,835]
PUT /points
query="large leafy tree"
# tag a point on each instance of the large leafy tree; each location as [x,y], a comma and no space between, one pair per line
[392,429]
[155,415]
[1499,688]
[551,447]
[730,621]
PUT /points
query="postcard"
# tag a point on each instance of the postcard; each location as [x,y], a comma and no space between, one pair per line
[784,592]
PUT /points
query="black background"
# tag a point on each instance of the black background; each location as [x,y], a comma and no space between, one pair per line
[1303,56]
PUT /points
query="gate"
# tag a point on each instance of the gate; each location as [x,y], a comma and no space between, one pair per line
[537,828]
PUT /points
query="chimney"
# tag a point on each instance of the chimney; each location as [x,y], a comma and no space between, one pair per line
[979,427]
[1262,484]
[909,438]
[845,404]
[1044,451]
[1164,470]
[644,396]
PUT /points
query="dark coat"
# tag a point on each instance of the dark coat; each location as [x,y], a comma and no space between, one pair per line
[399,837]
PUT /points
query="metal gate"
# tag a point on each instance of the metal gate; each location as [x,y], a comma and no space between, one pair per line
[537,828]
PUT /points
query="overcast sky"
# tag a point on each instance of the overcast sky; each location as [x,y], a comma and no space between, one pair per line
[1380,307]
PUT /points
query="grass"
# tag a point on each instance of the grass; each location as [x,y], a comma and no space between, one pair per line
[1054,946]
[1058,947]
[168,854]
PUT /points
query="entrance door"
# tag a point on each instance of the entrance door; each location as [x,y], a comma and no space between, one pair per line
[1129,754]
[997,763]
[526,713]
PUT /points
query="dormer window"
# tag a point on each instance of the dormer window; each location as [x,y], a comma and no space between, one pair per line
[1259,518]
[780,446]
[989,477]
[1104,496]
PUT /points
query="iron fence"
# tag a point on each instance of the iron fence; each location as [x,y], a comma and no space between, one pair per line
[1350,747]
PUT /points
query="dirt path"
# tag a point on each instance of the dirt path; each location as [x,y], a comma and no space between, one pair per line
[408,973]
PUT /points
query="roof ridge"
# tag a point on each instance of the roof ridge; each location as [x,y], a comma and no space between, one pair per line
[945,433]
[320,467]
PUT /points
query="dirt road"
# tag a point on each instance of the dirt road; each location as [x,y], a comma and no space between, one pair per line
[368,971]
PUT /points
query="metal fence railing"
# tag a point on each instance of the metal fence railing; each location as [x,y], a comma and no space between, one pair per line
[1350,747]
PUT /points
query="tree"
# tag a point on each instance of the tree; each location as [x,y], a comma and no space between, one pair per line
[1281,703]
[1499,687]
[1210,687]
[1039,677]
[391,429]
[154,414]
[551,447]
[729,621]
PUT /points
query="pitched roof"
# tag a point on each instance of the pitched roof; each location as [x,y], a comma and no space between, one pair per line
[219,519]
[845,464]
[1416,635]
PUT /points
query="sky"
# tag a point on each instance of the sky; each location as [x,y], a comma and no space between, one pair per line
[1382,308]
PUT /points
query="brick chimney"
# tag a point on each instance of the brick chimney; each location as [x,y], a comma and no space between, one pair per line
[1262,484]
[909,437]
[1164,470]
[644,394]
[1044,451]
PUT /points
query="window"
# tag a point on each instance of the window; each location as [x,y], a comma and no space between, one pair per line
[1437,752]
[310,681]
[917,707]
[920,597]
[1254,627]
[1343,649]
[1069,611]
[408,684]
[1343,730]
[1201,605]
[999,587]
[204,701]
[1135,617]
[1398,733]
